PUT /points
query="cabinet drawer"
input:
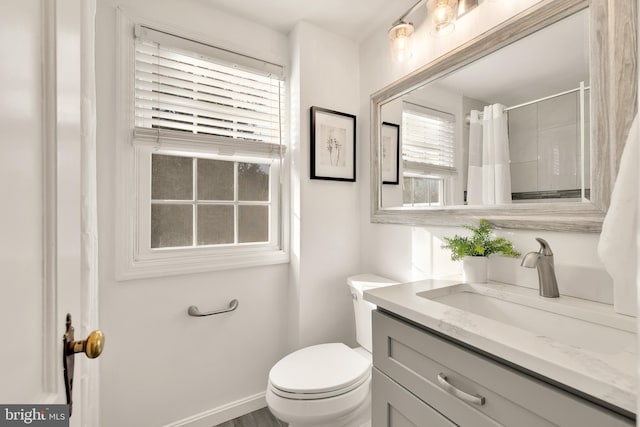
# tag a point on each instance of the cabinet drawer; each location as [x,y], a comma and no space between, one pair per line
[393,406]
[415,358]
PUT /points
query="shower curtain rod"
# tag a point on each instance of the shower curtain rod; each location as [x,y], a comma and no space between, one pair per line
[524,104]
[548,97]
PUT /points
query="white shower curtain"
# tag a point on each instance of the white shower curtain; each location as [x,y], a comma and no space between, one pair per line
[491,186]
[474,176]
[496,173]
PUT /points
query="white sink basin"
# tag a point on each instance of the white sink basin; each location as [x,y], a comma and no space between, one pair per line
[570,321]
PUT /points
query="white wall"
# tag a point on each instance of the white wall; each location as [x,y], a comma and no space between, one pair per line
[325,73]
[159,365]
[412,253]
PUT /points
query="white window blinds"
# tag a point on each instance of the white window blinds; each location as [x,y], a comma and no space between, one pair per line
[427,137]
[187,86]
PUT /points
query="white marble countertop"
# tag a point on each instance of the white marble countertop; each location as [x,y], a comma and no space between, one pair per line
[607,376]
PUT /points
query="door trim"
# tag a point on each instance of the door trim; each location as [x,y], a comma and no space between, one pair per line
[51,359]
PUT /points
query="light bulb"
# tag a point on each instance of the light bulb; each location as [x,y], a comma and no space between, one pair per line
[443,16]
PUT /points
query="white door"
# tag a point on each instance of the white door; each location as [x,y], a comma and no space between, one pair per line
[40,192]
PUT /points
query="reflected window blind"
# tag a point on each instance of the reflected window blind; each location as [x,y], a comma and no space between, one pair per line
[188,86]
[427,136]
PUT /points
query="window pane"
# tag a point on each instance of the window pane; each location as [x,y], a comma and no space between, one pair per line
[420,190]
[215,180]
[253,182]
[171,177]
[215,224]
[434,190]
[407,197]
[253,224]
[171,226]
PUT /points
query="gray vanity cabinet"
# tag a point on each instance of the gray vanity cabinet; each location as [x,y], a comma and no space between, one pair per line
[421,379]
[394,406]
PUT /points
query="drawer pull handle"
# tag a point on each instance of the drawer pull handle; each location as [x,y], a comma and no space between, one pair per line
[470,398]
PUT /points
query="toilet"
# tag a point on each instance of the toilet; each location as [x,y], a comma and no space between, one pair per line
[328,385]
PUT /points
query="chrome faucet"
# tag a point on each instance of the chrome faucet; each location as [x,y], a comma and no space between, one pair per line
[543,261]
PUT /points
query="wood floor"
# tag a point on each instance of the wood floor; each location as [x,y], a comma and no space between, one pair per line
[260,418]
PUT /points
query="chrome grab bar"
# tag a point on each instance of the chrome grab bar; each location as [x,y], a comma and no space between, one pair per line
[470,398]
[195,312]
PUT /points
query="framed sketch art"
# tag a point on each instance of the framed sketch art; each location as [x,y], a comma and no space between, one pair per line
[333,145]
[390,153]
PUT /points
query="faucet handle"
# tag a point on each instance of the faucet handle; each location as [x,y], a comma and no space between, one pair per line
[545,248]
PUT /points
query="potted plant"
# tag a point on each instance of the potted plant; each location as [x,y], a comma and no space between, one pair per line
[474,250]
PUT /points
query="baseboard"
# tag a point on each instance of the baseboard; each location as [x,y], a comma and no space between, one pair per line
[219,415]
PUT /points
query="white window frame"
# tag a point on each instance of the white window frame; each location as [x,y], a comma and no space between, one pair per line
[134,257]
[442,184]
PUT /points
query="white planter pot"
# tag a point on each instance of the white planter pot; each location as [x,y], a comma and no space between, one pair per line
[475,269]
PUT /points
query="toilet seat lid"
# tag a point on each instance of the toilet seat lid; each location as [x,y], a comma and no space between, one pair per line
[319,369]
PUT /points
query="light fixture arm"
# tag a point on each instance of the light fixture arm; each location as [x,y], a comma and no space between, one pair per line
[409,12]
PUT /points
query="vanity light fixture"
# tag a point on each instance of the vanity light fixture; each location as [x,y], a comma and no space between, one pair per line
[400,35]
[400,38]
[443,14]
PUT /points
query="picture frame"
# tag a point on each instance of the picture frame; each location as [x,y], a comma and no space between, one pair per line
[333,145]
[390,135]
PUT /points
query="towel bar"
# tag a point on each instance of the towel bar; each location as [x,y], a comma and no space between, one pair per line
[195,312]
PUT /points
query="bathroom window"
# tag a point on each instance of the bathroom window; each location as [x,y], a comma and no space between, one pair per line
[428,155]
[207,202]
[208,158]
[422,190]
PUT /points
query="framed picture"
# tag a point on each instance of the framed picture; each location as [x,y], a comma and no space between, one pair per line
[390,153]
[333,145]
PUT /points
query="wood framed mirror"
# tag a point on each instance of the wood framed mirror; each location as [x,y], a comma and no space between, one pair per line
[605,85]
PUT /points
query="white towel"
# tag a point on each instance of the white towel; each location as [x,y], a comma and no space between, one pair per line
[617,246]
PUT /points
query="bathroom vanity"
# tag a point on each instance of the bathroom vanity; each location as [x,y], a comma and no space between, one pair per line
[448,354]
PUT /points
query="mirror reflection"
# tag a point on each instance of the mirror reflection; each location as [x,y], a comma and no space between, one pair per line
[512,127]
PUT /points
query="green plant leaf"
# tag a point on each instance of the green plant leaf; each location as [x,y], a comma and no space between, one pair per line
[479,243]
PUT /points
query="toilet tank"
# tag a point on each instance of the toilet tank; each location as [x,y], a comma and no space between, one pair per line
[362,309]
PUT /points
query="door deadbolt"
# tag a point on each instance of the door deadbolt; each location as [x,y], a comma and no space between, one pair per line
[92,347]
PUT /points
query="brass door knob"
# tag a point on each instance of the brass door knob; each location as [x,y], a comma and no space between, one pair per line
[92,346]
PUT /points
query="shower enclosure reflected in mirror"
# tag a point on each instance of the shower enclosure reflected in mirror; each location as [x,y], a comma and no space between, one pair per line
[513,126]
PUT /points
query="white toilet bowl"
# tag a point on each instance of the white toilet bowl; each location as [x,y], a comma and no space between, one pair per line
[328,385]
[333,393]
